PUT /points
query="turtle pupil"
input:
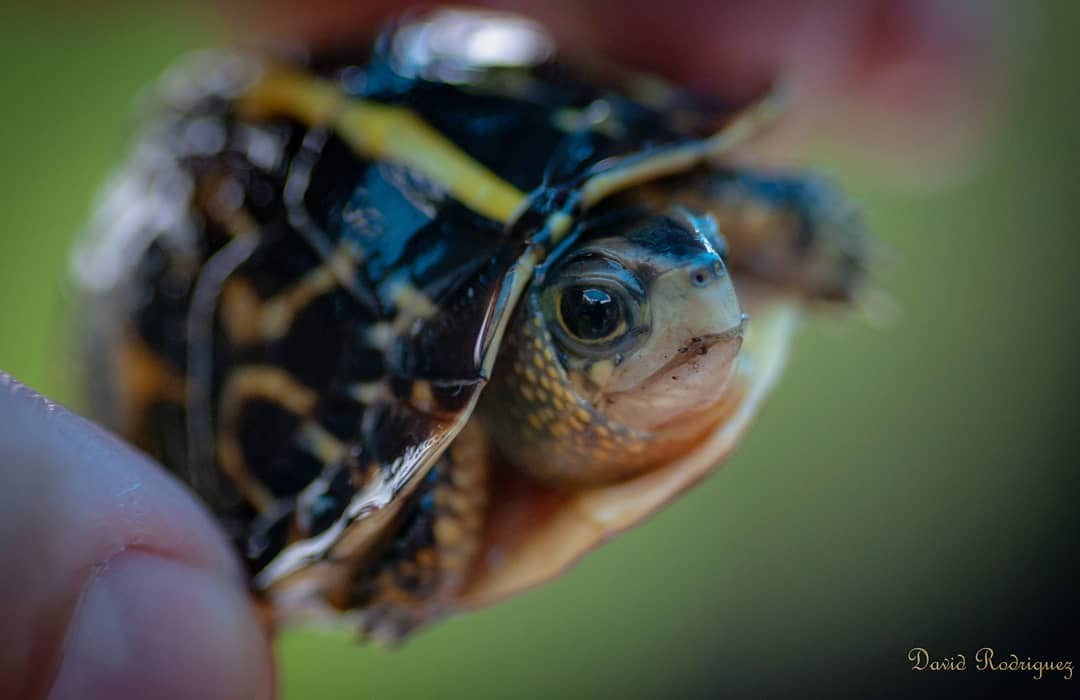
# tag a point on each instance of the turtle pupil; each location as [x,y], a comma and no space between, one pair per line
[589,313]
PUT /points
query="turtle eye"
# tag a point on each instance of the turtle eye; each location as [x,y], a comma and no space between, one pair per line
[592,314]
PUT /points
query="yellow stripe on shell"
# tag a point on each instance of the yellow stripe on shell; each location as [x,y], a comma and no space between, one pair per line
[385,131]
[750,121]
[278,314]
[239,309]
[247,319]
[368,393]
[676,159]
[255,382]
[321,443]
[422,398]
[147,378]
[410,303]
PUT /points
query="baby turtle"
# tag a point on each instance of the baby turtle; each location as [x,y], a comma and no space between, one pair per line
[423,322]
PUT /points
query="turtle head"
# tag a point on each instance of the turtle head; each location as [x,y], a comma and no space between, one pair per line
[644,317]
[624,348]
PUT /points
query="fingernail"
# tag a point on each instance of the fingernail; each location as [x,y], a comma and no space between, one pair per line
[150,627]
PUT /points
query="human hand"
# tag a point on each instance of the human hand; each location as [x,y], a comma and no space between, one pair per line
[116,584]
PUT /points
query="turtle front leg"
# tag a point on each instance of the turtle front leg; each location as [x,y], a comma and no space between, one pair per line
[797,231]
[426,559]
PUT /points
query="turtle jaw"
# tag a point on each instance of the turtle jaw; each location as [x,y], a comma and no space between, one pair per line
[680,395]
[686,365]
[694,384]
[727,343]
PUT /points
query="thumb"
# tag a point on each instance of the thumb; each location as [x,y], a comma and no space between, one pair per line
[114,583]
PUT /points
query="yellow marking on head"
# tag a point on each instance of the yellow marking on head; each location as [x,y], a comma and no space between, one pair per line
[255,382]
[583,415]
[601,372]
[384,131]
[560,430]
[534,420]
[527,392]
[538,362]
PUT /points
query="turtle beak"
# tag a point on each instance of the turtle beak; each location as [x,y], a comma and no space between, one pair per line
[711,306]
[690,355]
[731,336]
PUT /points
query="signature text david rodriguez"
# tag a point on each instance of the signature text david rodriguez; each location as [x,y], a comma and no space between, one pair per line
[986,659]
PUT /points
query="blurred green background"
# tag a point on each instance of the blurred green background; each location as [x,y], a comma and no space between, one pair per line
[908,486]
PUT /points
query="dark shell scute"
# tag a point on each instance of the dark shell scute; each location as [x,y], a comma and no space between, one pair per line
[265,433]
